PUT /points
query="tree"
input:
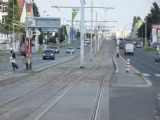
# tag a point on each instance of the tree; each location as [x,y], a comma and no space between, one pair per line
[152,18]
[13,17]
[35,10]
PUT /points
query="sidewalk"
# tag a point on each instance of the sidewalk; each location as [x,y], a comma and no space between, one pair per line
[131,79]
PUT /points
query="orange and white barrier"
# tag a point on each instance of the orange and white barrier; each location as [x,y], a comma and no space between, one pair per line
[117,51]
[127,65]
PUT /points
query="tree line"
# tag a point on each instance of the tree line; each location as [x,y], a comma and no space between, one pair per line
[152,18]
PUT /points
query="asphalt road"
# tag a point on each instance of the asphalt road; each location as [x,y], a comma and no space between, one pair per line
[133,102]
[145,64]
[6,67]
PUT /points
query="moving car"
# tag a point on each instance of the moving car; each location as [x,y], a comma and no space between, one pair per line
[56,49]
[48,54]
[70,50]
[87,41]
[129,49]
[121,46]
[157,57]
[138,45]
[78,47]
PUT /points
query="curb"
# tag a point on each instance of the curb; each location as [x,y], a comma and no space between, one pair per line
[115,64]
[49,65]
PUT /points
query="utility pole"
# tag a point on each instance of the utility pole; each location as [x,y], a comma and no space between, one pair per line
[145,31]
[82,34]
[96,37]
[91,31]
[13,40]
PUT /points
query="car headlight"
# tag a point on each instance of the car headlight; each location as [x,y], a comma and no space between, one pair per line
[51,54]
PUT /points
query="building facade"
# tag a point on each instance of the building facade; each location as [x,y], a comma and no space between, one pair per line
[3,10]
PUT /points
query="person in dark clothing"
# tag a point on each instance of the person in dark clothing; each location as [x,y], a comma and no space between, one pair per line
[13,61]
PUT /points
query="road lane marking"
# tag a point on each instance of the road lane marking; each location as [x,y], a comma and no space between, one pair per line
[157,75]
[146,74]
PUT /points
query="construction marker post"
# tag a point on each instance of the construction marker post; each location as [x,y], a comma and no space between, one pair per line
[28,50]
[127,65]
[117,52]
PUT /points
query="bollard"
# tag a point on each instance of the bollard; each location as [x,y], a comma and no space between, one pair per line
[117,52]
[127,65]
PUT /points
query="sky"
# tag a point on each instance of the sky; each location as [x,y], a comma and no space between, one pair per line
[123,12]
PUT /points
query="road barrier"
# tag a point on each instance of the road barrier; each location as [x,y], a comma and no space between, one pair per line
[117,52]
[127,65]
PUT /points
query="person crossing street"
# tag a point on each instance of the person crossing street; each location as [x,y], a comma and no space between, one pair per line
[13,61]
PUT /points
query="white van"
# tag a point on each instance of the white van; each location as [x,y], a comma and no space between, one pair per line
[129,49]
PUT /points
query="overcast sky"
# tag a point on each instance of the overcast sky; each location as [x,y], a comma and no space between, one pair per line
[123,12]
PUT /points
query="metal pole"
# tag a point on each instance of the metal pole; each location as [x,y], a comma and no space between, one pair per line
[82,34]
[96,37]
[105,25]
[145,30]
[91,30]
[72,30]
[13,27]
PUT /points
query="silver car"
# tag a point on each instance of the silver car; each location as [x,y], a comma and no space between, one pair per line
[70,50]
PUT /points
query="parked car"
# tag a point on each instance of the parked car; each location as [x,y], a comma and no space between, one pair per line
[56,49]
[48,54]
[129,49]
[70,50]
[157,57]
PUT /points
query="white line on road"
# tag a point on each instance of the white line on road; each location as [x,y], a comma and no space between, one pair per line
[146,74]
[157,75]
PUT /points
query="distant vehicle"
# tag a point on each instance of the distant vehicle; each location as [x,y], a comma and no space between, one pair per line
[129,49]
[78,47]
[48,54]
[121,46]
[56,49]
[70,50]
[134,42]
[87,41]
[118,41]
[157,57]
[138,45]
[85,44]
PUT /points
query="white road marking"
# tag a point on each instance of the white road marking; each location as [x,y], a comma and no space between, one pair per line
[157,75]
[158,94]
[146,74]
[7,73]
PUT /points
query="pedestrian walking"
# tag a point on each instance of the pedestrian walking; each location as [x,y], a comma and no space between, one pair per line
[13,61]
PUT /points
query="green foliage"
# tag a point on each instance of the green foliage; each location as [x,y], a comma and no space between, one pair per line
[152,18]
[35,10]
[13,17]
[52,39]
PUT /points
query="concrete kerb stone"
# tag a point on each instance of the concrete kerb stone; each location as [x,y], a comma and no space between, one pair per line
[51,64]
[115,64]
[139,74]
